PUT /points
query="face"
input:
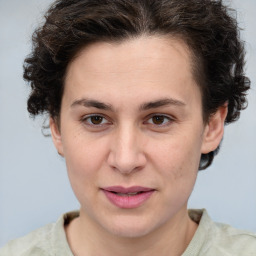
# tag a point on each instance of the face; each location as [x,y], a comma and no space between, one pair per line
[131,132]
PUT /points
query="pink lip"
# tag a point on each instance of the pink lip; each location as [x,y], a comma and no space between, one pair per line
[128,201]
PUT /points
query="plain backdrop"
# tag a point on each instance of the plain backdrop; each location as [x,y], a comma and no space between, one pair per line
[34,189]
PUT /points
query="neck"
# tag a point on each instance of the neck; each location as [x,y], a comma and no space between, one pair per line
[172,238]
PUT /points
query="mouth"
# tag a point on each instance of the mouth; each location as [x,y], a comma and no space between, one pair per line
[127,194]
[128,198]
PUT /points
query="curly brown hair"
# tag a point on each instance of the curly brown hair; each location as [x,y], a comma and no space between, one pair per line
[208,27]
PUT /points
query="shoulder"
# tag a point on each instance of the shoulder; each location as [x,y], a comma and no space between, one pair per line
[49,240]
[35,243]
[222,239]
[235,241]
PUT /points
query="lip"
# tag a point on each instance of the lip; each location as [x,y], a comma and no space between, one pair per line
[116,195]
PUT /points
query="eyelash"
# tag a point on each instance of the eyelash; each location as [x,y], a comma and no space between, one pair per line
[88,117]
[164,117]
[107,122]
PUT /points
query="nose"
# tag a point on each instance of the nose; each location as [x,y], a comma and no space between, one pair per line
[127,151]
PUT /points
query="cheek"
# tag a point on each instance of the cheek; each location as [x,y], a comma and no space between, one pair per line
[177,160]
[179,169]
[84,159]
[82,152]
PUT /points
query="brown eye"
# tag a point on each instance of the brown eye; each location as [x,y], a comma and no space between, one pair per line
[158,120]
[96,122]
[96,119]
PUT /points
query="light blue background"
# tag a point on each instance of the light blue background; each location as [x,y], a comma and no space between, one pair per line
[34,189]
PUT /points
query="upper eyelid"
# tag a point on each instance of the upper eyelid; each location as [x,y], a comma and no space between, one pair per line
[160,114]
[94,114]
[85,117]
[148,116]
[169,117]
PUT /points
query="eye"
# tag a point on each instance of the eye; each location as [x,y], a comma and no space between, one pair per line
[159,120]
[95,120]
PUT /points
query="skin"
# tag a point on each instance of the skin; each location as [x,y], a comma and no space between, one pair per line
[133,143]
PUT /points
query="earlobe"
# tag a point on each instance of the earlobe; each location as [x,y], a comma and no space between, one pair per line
[214,130]
[56,136]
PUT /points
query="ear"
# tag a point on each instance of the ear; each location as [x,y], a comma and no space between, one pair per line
[214,130]
[56,136]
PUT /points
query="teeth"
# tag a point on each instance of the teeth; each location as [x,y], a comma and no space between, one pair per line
[128,194]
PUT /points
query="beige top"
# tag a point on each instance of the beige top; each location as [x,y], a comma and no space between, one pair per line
[210,239]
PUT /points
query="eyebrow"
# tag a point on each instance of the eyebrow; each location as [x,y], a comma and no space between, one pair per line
[92,104]
[145,106]
[161,103]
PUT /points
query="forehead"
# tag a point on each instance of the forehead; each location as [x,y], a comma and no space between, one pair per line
[106,56]
[152,65]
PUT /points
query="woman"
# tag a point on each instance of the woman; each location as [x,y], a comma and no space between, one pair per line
[137,94]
